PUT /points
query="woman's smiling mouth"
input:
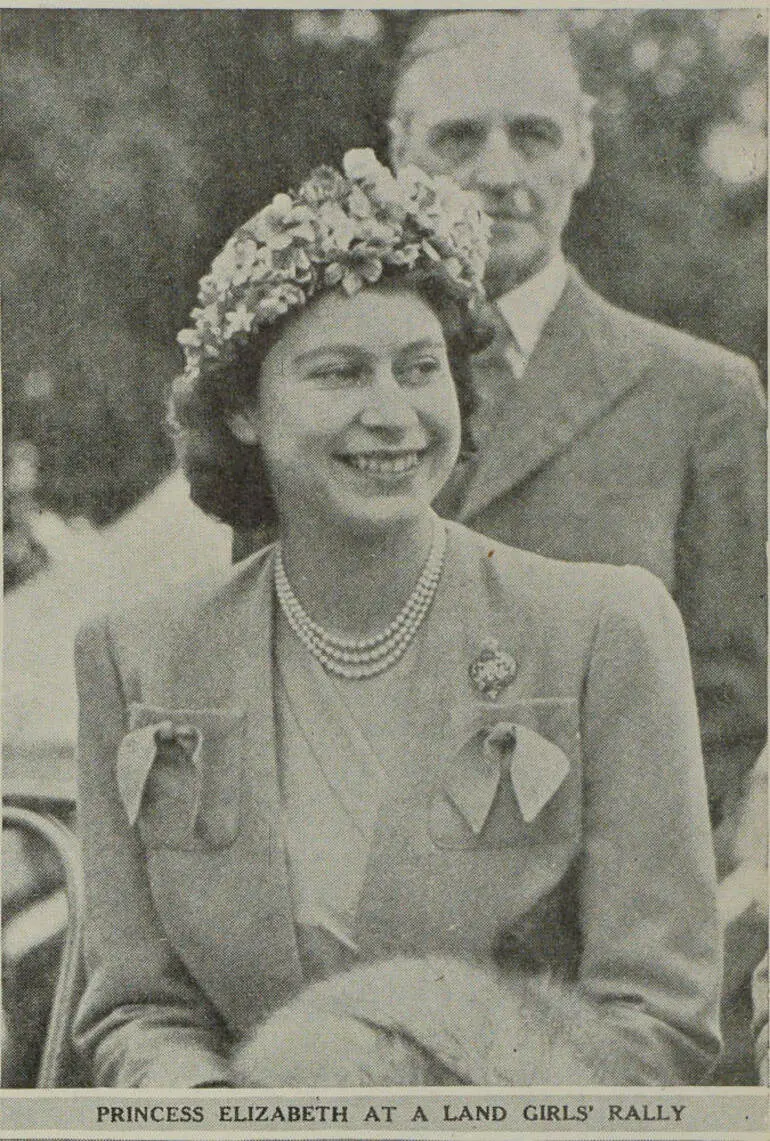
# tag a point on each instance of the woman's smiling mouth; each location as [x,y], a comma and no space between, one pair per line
[383,463]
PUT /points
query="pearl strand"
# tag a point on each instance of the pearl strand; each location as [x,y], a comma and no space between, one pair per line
[357,658]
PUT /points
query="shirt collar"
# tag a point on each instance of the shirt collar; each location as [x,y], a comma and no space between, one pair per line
[527,308]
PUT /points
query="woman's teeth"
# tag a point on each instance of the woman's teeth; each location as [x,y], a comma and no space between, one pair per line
[384,465]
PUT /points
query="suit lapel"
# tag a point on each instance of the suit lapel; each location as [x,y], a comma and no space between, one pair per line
[442,707]
[443,697]
[242,890]
[267,899]
[566,388]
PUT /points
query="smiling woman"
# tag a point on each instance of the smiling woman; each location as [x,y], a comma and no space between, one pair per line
[357,411]
[386,804]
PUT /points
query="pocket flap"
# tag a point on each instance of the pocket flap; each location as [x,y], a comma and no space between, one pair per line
[500,740]
[538,768]
[178,775]
[138,752]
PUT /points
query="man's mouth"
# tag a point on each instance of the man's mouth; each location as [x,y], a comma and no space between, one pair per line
[383,463]
[520,207]
[507,216]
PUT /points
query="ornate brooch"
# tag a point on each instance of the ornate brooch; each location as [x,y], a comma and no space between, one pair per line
[493,670]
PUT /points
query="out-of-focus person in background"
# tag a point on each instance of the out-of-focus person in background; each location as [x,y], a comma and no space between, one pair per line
[601,435]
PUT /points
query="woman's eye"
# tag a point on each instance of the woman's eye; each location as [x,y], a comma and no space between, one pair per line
[338,374]
[421,371]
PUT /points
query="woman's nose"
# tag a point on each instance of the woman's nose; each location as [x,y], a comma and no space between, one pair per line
[498,163]
[387,407]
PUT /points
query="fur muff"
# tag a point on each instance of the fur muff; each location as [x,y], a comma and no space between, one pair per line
[436,1021]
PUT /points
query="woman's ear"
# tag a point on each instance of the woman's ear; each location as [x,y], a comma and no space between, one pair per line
[243,426]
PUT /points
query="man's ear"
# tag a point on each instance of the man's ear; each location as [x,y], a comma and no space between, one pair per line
[585,163]
[398,142]
[243,426]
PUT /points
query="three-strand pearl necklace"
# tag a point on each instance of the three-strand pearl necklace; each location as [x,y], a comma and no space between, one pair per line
[364,657]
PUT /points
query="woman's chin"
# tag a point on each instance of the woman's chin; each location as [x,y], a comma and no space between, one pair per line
[362,501]
[378,515]
[375,513]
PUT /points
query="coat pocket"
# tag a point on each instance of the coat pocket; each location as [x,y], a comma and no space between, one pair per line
[179,776]
[514,776]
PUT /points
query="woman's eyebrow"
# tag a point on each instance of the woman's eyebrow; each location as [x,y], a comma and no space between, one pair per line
[345,350]
[421,345]
[358,352]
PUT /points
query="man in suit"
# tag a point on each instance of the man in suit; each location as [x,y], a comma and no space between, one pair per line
[600,436]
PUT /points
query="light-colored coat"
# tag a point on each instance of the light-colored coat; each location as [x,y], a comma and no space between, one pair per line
[591,853]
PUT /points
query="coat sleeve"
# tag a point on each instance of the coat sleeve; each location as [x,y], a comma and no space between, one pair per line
[652,945]
[721,579]
[142,1021]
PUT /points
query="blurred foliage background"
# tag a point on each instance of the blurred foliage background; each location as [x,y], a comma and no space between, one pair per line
[137,140]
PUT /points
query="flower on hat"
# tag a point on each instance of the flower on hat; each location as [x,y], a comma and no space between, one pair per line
[338,230]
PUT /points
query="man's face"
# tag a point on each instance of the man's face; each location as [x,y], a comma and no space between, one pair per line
[507,124]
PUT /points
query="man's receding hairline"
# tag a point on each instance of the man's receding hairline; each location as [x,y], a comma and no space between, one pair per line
[454,31]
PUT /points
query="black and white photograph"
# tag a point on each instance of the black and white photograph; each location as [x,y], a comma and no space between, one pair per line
[385,619]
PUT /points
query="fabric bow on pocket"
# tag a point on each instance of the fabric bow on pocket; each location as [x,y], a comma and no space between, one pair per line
[179,775]
[498,754]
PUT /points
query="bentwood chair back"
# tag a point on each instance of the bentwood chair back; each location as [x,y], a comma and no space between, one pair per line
[38,819]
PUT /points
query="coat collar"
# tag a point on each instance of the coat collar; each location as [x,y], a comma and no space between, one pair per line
[570,382]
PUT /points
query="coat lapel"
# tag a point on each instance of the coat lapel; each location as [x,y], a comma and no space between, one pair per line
[567,387]
[241,890]
[444,708]
[266,899]
[441,696]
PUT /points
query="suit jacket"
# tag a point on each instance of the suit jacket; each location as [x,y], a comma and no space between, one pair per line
[591,850]
[627,442]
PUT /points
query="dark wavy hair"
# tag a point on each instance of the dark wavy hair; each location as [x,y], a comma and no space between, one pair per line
[228,478]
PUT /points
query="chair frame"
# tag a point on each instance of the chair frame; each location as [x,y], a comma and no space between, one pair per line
[44,825]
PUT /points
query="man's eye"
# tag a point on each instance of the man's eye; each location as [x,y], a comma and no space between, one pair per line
[457,138]
[535,137]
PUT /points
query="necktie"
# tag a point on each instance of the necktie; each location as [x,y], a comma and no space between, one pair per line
[494,379]
[496,372]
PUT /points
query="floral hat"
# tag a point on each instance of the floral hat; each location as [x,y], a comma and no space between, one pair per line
[338,230]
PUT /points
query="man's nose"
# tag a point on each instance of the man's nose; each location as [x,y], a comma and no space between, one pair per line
[388,407]
[498,164]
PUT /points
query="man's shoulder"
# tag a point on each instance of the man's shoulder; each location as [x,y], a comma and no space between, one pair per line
[647,343]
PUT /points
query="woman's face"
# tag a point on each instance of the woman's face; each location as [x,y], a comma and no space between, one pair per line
[357,415]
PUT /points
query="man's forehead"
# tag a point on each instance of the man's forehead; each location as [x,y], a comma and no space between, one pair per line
[482,80]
